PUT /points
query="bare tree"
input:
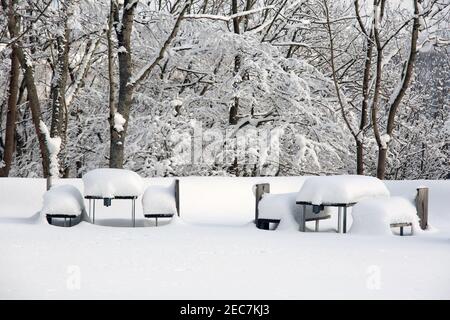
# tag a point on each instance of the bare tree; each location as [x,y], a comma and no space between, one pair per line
[13,88]
[120,110]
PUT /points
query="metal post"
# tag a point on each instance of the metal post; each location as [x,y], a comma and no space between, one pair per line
[260,189]
[401,231]
[317,225]
[89,200]
[133,214]
[303,219]
[93,211]
[422,206]
[339,219]
[345,219]
[65,222]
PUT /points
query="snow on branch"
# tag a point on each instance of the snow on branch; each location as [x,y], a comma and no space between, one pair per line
[289,44]
[150,66]
[53,147]
[227,18]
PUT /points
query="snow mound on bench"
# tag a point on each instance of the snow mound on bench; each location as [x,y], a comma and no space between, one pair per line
[374,216]
[158,199]
[341,189]
[63,199]
[282,206]
[110,183]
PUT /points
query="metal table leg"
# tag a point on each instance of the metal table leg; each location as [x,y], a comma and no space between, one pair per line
[89,201]
[339,219]
[303,219]
[93,211]
[345,219]
[133,213]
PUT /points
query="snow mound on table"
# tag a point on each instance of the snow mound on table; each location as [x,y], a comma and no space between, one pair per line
[341,189]
[282,206]
[159,199]
[110,183]
[63,199]
[374,216]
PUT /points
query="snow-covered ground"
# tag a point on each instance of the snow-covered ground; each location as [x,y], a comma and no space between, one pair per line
[203,258]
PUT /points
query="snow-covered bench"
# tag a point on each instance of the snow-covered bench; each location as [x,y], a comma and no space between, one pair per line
[377,216]
[272,208]
[338,191]
[161,201]
[63,202]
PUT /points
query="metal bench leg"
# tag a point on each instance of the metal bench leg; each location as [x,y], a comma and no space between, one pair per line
[401,231]
[345,220]
[339,219]
[302,219]
[70,221]
[317,225]
[156,221]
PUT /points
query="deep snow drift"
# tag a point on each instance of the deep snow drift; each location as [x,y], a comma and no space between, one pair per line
[206,256]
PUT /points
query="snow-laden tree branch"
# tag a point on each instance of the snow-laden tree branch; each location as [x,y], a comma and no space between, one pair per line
[227,18]
[146,70]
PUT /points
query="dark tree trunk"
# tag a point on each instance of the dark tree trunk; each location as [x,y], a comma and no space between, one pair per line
[13,89]
[359,157]
[381,168]
[35,107]
[116,157]
[58,92]
[407,74]
[233,119]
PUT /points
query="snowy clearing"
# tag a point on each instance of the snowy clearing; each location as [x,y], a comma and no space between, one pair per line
[207,259]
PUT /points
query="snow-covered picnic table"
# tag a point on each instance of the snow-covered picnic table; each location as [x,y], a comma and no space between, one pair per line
[108,184]
[338,191]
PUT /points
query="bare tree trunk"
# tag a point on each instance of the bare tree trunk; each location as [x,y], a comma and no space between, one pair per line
[359,157]
[113,16]
[123,32]
[35,107]
[237,65]
[127,84]
[360,140]
[407,74]
[12,94]
[58,93]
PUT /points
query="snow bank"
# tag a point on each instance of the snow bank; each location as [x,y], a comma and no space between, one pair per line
[282,206]
[374,216]
[21,197]
[217,200]
[341,189]
[159,199]
[63,199]
[110,183]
